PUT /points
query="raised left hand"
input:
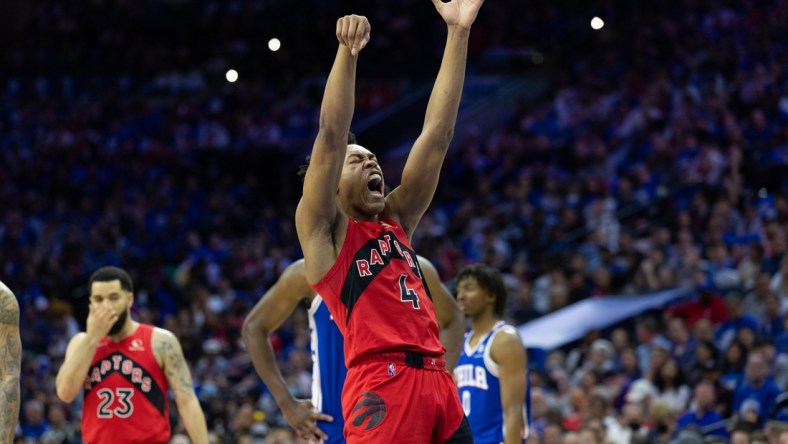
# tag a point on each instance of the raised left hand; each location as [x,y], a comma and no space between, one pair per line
[458,12]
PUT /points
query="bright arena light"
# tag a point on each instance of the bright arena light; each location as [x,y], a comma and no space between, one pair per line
[232,75]
[274,44]
[597,23]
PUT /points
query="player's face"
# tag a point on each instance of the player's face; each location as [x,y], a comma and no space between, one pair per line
[361,184]
[472,299]
[112,295]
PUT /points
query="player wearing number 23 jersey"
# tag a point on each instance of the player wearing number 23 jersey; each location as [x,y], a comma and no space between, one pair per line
[124,369]
[124,389]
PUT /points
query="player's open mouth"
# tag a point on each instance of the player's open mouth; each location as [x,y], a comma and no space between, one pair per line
[375,184]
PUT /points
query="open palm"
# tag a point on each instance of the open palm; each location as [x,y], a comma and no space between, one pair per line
[458,12]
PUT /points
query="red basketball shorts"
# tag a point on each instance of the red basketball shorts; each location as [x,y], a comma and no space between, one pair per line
[389,398]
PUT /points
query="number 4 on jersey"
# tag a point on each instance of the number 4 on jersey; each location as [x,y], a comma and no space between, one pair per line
[408,294]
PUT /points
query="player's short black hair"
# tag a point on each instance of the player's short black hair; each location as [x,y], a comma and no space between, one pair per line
[489,279]
[109,274]
[351,140]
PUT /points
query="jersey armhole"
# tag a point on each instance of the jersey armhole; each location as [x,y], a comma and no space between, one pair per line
[491,365]
[314,305]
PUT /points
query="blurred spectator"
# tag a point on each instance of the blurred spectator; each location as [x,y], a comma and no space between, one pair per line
[648,336]
[754,299]
[774,429]
[758,438]
[741,432]
[629,425]
[553,434]
[749,268]
[662,423]
[737,319]
[672,391]
[709,305]
[599,361]
[684,344]
[702,414]
[779,283]
[772,323]
[758,392]
[34,423]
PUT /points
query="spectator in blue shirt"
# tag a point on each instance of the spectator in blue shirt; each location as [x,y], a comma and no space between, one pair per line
[771,324]
[781,343]
[702,415]
[757,387]
[737,319]
[34,424]
[648,336]
[733,366]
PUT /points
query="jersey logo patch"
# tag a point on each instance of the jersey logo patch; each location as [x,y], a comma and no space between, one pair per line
[372,407]
[136,346]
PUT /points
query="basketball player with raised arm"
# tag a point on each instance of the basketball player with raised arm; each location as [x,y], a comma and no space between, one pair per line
[358,256]
[124,369]
[321,418]
[491,373]
[10,364]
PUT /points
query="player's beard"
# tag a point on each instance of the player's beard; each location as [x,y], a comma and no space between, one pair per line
[118,325]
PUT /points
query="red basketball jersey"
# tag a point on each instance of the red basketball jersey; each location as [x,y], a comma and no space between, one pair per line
[376,293]
[126,393]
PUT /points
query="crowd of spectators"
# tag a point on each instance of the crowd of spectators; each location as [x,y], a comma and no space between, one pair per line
[656,160]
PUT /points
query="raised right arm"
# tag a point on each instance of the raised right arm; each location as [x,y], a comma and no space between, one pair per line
[72,373]
[80,351]
[276,305]
[317,214]
[10,363]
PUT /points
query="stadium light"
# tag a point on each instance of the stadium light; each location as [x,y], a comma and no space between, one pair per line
[231,75]
[274,44]
[597,23]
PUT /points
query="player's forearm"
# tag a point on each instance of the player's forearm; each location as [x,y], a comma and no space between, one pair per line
[336,111]
[9,412]
[71,376]
[444,103]
[193,419]
[513,425]
[451,338]
[264,360]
